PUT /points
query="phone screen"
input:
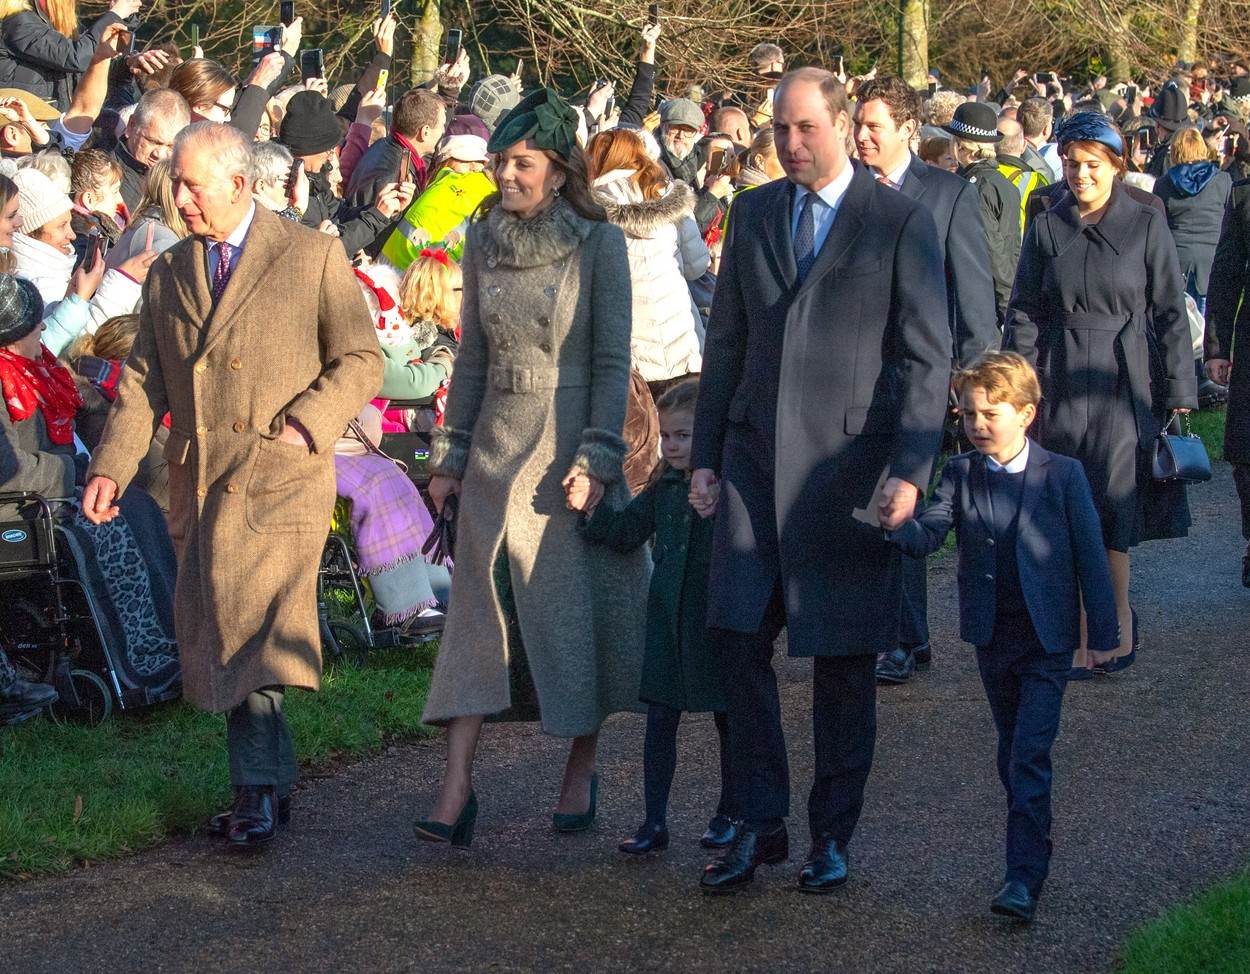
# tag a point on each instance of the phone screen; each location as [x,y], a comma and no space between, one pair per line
[451,50]
[286,12]
[653,13]
[292,178]
[264,39]
[195,35]
[405,165]
[715,163]
[386,9]
[312,63]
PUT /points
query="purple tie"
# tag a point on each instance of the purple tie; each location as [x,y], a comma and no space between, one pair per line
[222,275]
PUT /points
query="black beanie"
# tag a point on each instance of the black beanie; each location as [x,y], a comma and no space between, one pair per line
[21,308]
[309,125]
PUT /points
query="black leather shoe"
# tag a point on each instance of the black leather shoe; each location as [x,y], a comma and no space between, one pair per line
[649,838]
[923,654]
[1015,901]
[219,824]
[254,821]
[23,699]
[826,867]
[896,666]
[736,868]
[720,832]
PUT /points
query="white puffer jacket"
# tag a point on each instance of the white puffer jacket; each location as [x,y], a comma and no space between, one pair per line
[665,251]
[50,269]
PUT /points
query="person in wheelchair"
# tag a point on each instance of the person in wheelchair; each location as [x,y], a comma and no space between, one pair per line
[126,570]
[21,699]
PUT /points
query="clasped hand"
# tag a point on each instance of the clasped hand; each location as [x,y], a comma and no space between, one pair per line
[582,492]
[898,503]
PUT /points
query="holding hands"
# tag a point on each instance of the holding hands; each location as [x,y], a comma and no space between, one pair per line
[582,492]
[704,492]
[898,503]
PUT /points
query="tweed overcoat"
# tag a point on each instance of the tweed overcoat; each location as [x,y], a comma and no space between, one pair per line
[540,388]
[290,338]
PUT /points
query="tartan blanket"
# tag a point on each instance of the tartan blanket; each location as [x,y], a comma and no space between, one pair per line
[390,521]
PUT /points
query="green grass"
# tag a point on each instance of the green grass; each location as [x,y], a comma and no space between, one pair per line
[1209,424]
[71,794]
[1207,935]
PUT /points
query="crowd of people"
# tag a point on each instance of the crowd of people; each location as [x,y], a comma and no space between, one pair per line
[688,362]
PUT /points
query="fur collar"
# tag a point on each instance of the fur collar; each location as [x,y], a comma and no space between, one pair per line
[644,218]
[544,239]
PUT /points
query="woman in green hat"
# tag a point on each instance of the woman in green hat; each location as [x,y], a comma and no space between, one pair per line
[533,436]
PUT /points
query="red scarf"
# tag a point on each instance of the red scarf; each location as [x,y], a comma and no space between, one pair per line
[44,384]
[417,171]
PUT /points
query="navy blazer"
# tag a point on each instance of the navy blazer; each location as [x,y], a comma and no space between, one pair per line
[1059,550]
[956,209]
[809,390]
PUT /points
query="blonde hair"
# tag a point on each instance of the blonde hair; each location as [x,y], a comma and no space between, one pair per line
[428,292]
[113,340]
[1188,145]
[63,14]
[974,151]
[1005,377]
[158,194]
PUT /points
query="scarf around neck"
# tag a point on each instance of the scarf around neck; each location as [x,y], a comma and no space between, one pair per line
[43,384]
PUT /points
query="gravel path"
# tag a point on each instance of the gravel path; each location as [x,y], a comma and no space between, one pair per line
[1151,803]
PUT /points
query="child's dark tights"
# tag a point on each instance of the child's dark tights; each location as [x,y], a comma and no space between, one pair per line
[659,758]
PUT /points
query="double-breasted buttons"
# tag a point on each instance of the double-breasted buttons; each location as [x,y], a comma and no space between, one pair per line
[236,364]
[239,427]
[200,367]
[546,347]
[201,431]
[494,318]
[990,542]
[492,290]
[232,488]
[551,290]
[989,577]
[492,261]
[201,491]
[544,321]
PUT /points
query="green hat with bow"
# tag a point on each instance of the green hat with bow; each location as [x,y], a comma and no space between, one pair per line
[544,117]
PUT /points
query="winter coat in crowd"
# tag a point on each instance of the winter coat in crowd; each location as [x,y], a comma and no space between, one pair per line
[680,668]
[708,210]
[133,172]
[1228,316]
[135,237]
[38,58]
[1092,304]
[540,389]
[29,460]
[248,512]
[1195,194]
[357,228]
[666,251]
[1000,213]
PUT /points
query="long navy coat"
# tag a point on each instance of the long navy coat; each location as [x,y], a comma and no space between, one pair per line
[808,392]
[1227,314]
[1081,314]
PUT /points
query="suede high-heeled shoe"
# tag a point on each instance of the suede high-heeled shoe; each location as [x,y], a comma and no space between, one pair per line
[566,822]
[459,834]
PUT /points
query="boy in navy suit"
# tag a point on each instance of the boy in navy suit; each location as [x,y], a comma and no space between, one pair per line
[1030,552]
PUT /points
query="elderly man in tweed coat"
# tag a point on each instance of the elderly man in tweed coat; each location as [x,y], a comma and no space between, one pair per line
[255,339]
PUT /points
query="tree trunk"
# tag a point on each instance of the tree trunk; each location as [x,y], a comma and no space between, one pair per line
[427,41]
[913,42]
[1187,50]
[1119,60]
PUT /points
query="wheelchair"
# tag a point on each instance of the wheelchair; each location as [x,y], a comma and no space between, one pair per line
[51,628]
[344,601]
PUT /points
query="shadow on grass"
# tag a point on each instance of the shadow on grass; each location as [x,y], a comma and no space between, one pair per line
[71,794]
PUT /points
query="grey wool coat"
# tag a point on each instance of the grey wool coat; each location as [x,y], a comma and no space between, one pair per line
[540,389]
[291,338]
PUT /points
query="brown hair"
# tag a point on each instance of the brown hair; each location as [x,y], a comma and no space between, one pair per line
[415,110]
[933,148]
[622,149]
[900,98]
[1034,115]
[678,398]
[92,169]
[576,188]
[831,89]
[1005,377]
[1188,145]
[113,340]
[201,81]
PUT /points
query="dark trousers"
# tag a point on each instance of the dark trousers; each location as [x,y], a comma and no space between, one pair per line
[259,742]
[1024,685]
[844,722]
[1241,479]
[659,761]
[913,622]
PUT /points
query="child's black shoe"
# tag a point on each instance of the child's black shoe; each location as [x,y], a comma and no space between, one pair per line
[650,837]
[720,833]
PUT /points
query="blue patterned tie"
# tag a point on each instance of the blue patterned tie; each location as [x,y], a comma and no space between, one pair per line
[805,239]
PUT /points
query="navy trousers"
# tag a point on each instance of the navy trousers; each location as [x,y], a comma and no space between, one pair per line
[1024,685]
[844,724]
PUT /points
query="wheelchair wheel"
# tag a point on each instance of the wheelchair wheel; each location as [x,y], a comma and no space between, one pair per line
[343,644]
[93,706]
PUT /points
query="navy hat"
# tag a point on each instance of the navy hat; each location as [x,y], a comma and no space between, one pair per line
[1171,106]
[1089,127]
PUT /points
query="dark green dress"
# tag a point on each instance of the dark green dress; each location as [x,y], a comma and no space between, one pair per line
[679,669]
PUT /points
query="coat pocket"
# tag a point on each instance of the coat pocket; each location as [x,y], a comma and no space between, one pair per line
[290,490]
[177,448]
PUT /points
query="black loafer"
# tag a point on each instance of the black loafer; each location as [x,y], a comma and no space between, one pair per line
[826,868]
[255,819]
[923,655]
[1014,901]
[736,868]
[219,825]
[719,834]
[648,838]
[896,666]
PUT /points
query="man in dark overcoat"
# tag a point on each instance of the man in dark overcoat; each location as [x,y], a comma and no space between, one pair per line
[827,368]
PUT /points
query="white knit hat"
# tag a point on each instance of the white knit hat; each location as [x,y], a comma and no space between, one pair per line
[39,201]
[463,148]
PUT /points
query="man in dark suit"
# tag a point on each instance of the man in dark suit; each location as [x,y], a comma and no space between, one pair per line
[887,115]
[827,364]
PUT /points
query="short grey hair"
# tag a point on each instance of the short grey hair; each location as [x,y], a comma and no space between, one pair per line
[232,152]
[164,104]
[271,162]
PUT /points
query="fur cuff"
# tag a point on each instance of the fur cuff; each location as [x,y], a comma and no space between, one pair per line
[601,455]
[449,452]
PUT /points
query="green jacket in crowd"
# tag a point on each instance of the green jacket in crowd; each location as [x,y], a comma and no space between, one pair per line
[679,668]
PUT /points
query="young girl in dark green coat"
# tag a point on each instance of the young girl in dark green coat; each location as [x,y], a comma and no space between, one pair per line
[679,672]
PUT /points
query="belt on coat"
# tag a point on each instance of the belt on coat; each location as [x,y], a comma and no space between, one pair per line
[521,379]
[1090,321]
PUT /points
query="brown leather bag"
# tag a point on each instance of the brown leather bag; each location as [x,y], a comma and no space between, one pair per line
[642,433]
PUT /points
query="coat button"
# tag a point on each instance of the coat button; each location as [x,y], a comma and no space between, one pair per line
[201,431]
[236,364]
[990,542]
[551,290]
[493,290]
[201,491]
[201,366]
[545,346]
[492,261]
[494,318]
[240,427]
[232,488]
[545,321]
[989,578]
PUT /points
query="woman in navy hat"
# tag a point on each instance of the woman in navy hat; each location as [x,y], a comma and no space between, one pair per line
[1099,292]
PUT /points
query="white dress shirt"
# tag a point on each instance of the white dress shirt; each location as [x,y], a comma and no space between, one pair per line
[1015,465]
[825,205]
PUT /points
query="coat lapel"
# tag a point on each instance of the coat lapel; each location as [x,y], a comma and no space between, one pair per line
[267,239]
[847,224]
[916,181]
[190,266]
[1034,478]
[981,493]
[777,230]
